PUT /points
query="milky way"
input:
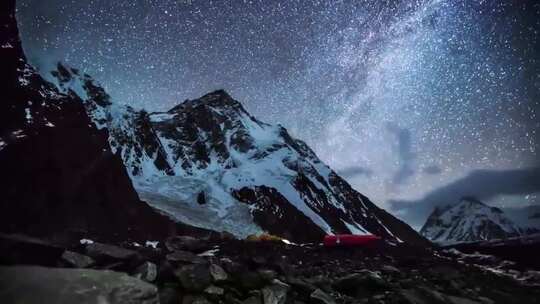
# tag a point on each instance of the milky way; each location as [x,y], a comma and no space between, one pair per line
[401,97]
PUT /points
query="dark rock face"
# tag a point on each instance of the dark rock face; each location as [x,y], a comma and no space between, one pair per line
[272,210]
[61,178]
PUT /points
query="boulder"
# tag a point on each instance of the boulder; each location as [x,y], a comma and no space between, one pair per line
[194,277]
[169,295]
[320,297]
[250,280]
[36,284]
[181,256]
[389,269]
[301,285]
[147,271]
[195,299]
[252,300]
[188,243]
[275,293]
[267,274]
[77,260]
[105,253]
[320,281]
[217,273]
[354,283]
[214,291]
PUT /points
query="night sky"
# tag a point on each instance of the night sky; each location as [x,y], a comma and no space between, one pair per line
[406,99]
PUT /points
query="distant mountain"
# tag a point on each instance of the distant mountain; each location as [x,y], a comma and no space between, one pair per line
[468,221]
[528,217]
[209,163]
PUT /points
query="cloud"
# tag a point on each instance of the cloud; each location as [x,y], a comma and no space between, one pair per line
[482,184]
[351,172]
[405,152]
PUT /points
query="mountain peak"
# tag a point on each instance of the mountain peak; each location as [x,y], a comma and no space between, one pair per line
[471,200]
[217,94]
[468,220]
[253,175]
[218,99]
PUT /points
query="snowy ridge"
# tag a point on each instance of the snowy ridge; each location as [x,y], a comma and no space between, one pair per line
[130,132]
[209,163]
[469,220]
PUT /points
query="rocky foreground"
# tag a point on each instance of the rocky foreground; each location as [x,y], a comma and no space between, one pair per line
[224,270]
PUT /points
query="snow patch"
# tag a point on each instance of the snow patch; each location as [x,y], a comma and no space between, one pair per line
[28,115]
[86,241]
[355,228]
[152,244]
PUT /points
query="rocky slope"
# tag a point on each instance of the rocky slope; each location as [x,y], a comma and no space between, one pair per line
[60,178]
[189,270]
[468,221]
[209,163]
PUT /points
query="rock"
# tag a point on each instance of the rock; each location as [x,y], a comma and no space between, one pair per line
[301,285]
[192,299]
[485,300]
[186,243]
[166,272]
[352,284]
[423,294]
[275,293]
[35,284]
[320,297]
[460,300]
[389,269]
[267,274]
[321,282]
[185,257]
[201,198]
[169,295]
[147,272]
[106,253]
[233,268]
[446,272]
[214,291]
[21,249]
[194,277]
[217,273]
[252,300]
[230,298]
[411,297]
[250,280]
[258,260]
[77,260]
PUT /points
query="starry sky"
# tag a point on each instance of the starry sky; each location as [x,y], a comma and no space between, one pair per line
[415,103]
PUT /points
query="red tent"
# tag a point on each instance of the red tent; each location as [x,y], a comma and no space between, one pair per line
[350,240]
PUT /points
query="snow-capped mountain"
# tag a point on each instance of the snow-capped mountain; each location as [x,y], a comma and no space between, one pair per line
[528,217]
[469,220]
[209,163]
